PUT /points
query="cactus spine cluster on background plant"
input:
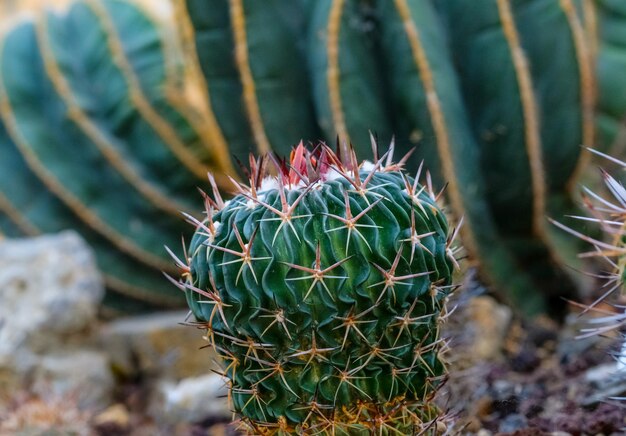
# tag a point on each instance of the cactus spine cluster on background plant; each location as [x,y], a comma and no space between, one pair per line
[609,212]
[322,285]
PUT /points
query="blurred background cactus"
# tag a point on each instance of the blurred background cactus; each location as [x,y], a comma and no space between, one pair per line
[111,116]
[605,22]
[96,136]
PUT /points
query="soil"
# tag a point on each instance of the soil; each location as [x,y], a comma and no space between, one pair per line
[542,379]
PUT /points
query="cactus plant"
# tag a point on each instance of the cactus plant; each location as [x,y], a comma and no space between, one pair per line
[92,116]
[608,210]
[322,288]
[496,105]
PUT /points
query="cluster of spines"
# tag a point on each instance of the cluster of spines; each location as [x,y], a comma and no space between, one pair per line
[398,415]
[609,212]
[304,172]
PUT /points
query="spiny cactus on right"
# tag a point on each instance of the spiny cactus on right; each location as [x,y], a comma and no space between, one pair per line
[609,212]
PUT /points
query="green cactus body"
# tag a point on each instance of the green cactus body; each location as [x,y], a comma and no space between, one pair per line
[323,291]
[27,206]
[606,21]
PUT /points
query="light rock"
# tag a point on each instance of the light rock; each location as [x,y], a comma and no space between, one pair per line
[490,322]
[602,375]
[15,370]
[83,376]
[156,346]
[50,289]
[621,357]
[512,423]
[191,400]
[115,419]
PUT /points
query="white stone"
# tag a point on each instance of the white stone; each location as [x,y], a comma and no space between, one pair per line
[50,288]
[190,400]
[156,346]
[83,377]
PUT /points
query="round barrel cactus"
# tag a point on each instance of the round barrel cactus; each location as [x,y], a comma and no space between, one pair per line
[322,285]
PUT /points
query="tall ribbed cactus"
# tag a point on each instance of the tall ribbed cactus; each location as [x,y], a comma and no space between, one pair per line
[605,20]
[322,288]
[95,135]
[497,95]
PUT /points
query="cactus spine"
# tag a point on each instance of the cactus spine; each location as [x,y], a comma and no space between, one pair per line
[323,288]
